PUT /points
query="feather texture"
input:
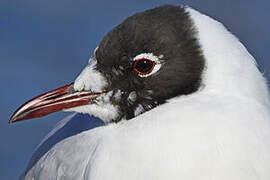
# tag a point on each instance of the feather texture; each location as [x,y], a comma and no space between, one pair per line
[220,132]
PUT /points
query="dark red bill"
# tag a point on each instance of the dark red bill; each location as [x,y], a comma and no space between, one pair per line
[59,99]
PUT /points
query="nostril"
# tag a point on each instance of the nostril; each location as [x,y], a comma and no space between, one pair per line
[53,97]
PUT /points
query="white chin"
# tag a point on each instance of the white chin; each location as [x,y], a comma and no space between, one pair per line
[106,112]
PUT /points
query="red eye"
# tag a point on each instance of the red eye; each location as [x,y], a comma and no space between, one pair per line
[144,66]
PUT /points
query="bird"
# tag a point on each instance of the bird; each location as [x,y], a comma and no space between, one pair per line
[179,96]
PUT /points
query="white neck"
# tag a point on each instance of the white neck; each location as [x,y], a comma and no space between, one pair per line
[229,69]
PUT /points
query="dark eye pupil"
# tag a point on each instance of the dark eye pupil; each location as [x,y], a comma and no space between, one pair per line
[144,66]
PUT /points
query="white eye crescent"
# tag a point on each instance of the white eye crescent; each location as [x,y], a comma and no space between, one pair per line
[146,64]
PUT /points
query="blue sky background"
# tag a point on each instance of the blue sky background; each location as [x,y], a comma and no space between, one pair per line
[44,44]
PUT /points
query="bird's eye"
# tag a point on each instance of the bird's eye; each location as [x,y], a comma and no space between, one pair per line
[144,66]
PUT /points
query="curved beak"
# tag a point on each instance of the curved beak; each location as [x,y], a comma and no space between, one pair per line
[59,99]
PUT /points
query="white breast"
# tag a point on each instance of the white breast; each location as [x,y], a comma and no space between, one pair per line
[202,137]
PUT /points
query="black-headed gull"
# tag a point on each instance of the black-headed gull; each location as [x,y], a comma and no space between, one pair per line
[181,98]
